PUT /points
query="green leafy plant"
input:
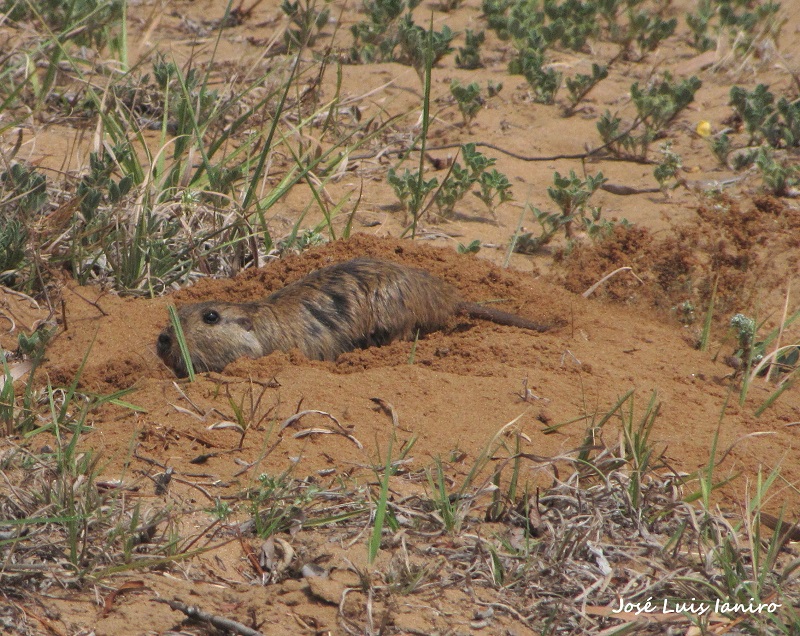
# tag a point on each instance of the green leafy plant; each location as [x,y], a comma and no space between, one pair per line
[744,329]
[657,105]
[736,22]
[221,510]
[571,194]
[753,359]
[416,44]
[494,186]
[23,192]
[580,85]
[148,211]
[550,224]
[66,30]
[517,19]
[668,168]
[411,189]
[545,81]
[18,412]
[596,227]
[763,356]
[98,187]
[570,23]
[469,56]
[685,312]
[306,21]
[387,36]
[754,108]
[495,189]
[375,39]
[85,22]
[778,177]
[721,147]
[299,241]
[276,503]
[473,247]
[648,30]
[783,129]
[747,22]
[494,11]
[744,158]
[475,160]
[468,98]
[454,188]
[134,248]
[609,11]
[33,345]
[699,22]
[777,123]
[614,138]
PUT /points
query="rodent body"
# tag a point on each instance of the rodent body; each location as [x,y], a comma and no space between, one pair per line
[351,305]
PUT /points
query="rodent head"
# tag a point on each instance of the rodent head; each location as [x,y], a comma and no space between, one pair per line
[216,334]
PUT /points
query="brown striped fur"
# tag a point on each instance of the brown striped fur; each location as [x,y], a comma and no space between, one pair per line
[351,305]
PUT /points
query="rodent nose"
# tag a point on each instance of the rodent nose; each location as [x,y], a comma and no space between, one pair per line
[164,343]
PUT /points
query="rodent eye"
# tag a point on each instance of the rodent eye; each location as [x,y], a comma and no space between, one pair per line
[211,317]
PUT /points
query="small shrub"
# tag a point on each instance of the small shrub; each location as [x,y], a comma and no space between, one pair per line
[13,240]
[721,147]
[777,123]
[495,189]
[570,23]
[23,195]
[667,170]
[305,22]
[571,194]
[699,23]
[544,81]
[580,85]
[415,42]
[733,21]
[754,108]
[469,56]
[648,30]
[494,186]
[778,177]
[87,22]
[98,187]
[23,192]
[375,39]
[657,105]
[388,37]
[473,247]
[411,189]
[454,188]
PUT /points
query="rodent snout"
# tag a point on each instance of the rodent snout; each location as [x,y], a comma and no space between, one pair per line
[164,343]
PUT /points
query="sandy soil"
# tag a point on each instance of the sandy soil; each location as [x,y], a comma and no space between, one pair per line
[464,385]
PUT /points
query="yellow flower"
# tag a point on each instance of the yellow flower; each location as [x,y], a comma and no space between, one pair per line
[703,128]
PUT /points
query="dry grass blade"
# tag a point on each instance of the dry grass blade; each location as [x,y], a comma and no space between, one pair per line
[15,372]
[341,430]
[594,287]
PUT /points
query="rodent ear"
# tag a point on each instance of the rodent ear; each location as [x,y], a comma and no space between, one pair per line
[245,323]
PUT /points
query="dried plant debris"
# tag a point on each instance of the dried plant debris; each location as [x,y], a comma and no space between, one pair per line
[606,544]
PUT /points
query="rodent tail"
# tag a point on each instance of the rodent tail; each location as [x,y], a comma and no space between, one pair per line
[474,310]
